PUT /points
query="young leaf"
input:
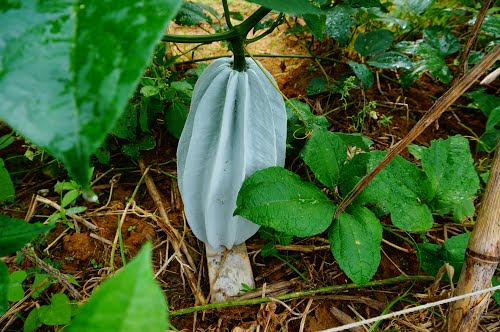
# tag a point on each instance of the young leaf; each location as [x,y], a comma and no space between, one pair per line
[277,198]
[15,233]
[355,239]
[6,186]
[363,73]
[325,153]
[42,282]
[138,303]
[295,125]
[293,7]
[58,312]
[454,182]
[398,189]
[391,60]
[339,21]
[81,78]
[16,292]
[32,322]
[373,42]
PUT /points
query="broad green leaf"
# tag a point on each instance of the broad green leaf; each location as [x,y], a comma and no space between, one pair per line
[417,7]
[316,24]
[454,182]
[430,257]
[298,113]
[363,73]
[4,287]
[315,86]
[454,251]
[442,40]
[391,60]
[356,140]
[294,7]
[130,301]
[149,91]
[484,101]
[364,3]
[15,233]
[89,58]
[416,150]
[15,291]
[32,322]
[325,153]
[491,25]
[433,256]
[175,118]
[133,149]
[191,13]
[277,198]
[493,123]
[339,22]
[355,239]
[58,312]
[6,186]
[398,189]
[42,282]
[373,42]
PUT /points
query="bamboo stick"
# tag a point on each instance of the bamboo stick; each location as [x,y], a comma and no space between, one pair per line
[482,257]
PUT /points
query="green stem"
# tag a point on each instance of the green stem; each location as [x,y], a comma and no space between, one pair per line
[227,14]
[335,288]
[239,64]
[239,31]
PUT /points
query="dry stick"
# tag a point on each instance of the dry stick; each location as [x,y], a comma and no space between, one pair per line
[61,277]
[445,101]
[175,237]
[462,67]
[482,257]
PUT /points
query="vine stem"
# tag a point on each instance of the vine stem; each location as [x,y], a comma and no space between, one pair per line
[335,288]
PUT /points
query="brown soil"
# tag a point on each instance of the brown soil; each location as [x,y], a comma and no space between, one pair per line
[86,254]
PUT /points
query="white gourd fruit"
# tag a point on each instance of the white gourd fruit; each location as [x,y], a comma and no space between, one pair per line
[236,126]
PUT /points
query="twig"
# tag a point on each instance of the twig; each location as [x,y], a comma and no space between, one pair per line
[432,115]
[175,237]
[61,277]
[71,215]
[334,288]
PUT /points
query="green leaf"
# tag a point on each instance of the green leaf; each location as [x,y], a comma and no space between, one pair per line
[15,233]
[68,97]
[38,286]
[176,118]
[449,167]
[16,292]
[294,7]
[355,239]
[363,73]
[357,140]
[491,25]
[484,101]
[6,140]
[373,42]
[325,153]
[296,114]
[339,22]
[364,3]
[190,14]
[277,198]
[70,197]
[130,301]
[391,60]
[133,149]
[316,24]
[4,287]
[496,295]
[442,40]
[32,322]
[58,312]
[149,91]
[315,86]
[430,257]
[398,189]
[454,252]
[433,256]
[7,191]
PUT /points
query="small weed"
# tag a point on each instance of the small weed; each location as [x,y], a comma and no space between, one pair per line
[385,120]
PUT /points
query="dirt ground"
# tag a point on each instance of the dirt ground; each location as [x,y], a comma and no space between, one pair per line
[86,253]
